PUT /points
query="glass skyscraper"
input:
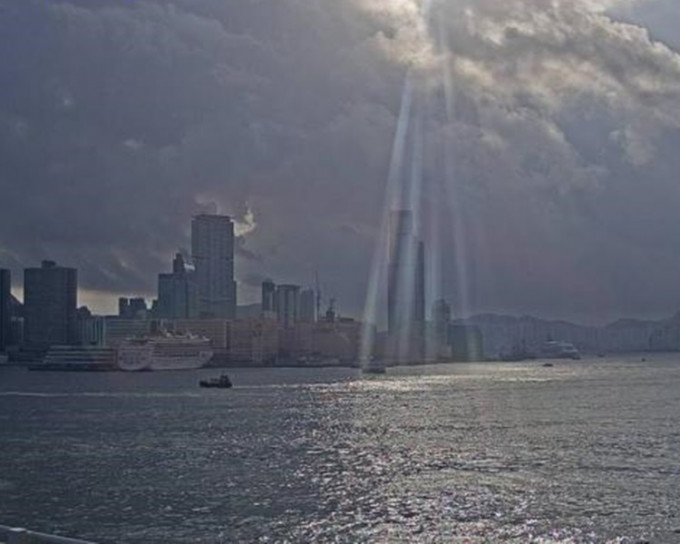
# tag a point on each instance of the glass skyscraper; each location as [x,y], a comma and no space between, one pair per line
[50,299]
[212,248]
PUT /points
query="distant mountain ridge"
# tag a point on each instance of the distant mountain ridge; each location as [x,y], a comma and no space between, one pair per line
[505,333]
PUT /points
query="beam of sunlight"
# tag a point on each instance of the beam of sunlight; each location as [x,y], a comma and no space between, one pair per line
[462,288]
[378,271]
[400,254]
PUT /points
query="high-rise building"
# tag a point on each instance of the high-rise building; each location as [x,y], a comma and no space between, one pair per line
[50,298]
[268,297]
[5,308]
[212,247]
[307,306]
[405,288]
[132,308]
[441,315]
[288,304]
[123,307]
[399,299]
[138,308]
[419,296]
[178,266]
[406,274]
[177,293]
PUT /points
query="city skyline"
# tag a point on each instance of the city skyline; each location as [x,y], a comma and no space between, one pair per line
[109,304]
[546,172]
[339,271]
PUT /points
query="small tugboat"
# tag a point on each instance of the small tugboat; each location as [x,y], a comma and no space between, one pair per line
[372,366]
[223,382]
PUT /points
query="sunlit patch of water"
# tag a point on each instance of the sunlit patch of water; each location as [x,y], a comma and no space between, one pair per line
[468,453]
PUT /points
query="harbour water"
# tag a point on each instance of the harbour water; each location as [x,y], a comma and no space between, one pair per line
[585,451]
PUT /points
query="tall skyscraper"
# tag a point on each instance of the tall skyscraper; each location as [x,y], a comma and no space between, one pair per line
[5,308]
[308,306]
[50,299]
[268,297]
[288,304]
[212,247]
[401,272]
[177,293]
[441,315]
[405,288]
[419,296]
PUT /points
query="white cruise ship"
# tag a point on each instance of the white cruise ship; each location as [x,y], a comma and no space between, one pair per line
[164,352]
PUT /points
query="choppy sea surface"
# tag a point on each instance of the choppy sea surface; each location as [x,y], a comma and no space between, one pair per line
[585,451]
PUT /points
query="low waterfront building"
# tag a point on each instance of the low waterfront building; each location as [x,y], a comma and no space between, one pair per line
[314,343]
[253,341]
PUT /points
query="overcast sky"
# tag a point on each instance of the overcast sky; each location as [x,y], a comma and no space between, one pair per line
[543,137]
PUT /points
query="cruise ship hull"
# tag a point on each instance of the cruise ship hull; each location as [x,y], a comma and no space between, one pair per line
[169,353]
[188,363]
[141,364]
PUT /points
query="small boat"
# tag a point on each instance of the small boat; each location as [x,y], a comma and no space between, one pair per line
[547,365]
[373,367]
[223,382]
[559,350]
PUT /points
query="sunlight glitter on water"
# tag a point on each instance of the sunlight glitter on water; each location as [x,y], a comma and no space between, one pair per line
[478,453]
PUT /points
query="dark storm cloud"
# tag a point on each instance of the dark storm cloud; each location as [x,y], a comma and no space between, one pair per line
[118,121]
[581,112]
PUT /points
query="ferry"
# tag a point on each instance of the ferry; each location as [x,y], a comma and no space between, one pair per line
[165,351]
[559,350]
[77,359]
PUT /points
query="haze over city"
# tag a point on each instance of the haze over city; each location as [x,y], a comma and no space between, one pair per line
[391,271]
[546,147]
